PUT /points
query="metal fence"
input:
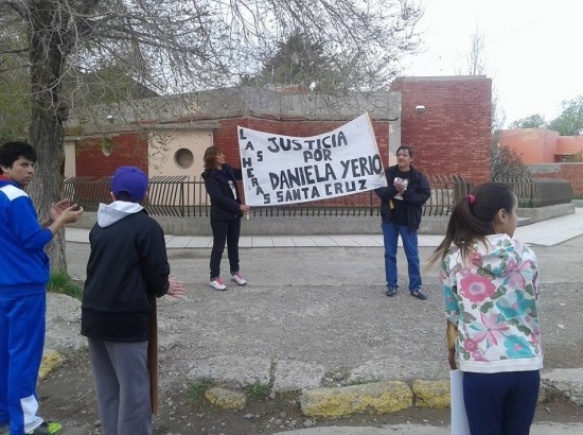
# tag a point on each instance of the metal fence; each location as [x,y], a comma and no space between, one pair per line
[181,197]
[540,192]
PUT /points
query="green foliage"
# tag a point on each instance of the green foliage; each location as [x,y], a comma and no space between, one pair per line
[258,391]
[61,282]
[570,121]
[197,390]
[532,121]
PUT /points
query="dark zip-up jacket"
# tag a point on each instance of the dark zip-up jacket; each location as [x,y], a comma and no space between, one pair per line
[224,206]
[127,263]
[417,193]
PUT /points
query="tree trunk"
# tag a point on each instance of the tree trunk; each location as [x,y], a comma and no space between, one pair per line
[46,131]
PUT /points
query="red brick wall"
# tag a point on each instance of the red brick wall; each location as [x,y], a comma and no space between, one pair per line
[127,149]
[453,134]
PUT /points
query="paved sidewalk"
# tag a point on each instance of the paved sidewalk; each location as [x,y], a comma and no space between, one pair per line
[547,233]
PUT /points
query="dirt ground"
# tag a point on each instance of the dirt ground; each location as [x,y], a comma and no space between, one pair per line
[67,396]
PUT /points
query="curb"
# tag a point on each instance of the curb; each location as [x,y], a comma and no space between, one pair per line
[379,398]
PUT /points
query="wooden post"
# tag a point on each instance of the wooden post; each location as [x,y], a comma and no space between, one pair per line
[153,354]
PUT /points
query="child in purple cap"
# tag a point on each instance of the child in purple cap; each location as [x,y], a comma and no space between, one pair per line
[130,180]
[127,268]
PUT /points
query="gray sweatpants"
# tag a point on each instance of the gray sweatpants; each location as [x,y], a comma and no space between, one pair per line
[122,383]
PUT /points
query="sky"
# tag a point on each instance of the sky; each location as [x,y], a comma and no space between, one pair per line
[533,49]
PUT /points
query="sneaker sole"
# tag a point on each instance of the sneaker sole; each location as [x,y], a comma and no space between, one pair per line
[218,289]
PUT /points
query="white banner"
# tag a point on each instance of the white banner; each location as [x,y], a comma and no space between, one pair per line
[279,170]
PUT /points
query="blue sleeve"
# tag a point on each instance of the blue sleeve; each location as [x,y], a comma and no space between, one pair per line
[25,225]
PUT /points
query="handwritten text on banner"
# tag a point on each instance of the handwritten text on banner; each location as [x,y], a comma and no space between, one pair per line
[280,170]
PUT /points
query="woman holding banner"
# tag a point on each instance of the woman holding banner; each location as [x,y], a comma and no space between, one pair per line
[220,181]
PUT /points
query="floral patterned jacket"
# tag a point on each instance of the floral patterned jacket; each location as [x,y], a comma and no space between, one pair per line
[492,298]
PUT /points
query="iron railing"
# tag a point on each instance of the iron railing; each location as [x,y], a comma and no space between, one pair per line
[181,197]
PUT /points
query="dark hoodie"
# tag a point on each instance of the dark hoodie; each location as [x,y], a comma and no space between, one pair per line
[127,264]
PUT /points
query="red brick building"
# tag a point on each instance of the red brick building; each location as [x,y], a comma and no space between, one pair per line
[547,154]
[446,119]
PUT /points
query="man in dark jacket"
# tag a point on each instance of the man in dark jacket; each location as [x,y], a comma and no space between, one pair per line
[407,191]
[127,265]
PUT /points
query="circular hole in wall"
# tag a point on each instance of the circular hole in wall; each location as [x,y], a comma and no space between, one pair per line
[184,158]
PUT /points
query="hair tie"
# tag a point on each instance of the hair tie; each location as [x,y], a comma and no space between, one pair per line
[471,199]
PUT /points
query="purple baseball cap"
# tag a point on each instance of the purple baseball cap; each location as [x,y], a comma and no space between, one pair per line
[131,180]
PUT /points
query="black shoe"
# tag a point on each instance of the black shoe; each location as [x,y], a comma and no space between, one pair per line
[419,294]
[391,291]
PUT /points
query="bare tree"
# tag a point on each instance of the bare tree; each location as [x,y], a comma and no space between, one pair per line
[476,61]
[177,46]
[504,163]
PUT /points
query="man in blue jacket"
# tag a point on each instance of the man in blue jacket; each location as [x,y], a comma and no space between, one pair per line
[24,273]
[401,210]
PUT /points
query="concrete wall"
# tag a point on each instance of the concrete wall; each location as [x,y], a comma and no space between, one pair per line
[168,152]
[533,145]
[298,225]
[70,168]
[278,226]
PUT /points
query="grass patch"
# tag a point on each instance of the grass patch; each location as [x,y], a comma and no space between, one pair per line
[197,390]
[61,282]
[257,391]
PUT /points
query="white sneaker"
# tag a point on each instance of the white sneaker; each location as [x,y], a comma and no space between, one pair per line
[238,278]
[218,284]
